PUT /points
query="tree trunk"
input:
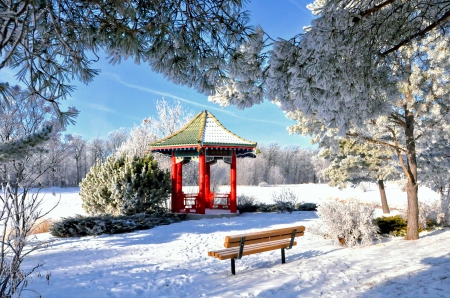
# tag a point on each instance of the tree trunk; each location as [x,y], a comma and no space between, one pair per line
[411,187]
[384,203]
[413,211]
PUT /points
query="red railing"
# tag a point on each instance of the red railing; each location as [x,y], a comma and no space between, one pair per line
[221,201]
[216,201]
[189,202]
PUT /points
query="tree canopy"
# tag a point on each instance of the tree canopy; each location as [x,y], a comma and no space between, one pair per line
[341,70]
[371,70]
[51,43]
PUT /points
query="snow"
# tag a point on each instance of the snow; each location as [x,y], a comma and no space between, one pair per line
[172,260]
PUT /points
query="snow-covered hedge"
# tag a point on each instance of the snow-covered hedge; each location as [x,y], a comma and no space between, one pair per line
[97,225]
[124,185]
[247,204]
[348,223]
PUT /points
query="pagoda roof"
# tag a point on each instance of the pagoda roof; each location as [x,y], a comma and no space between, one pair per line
[204,130]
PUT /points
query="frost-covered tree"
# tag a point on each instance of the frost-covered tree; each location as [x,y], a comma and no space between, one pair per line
[138,141]
[77,146]
[98,150]
[115,139]
[356,162]
[416,111]
[435,164]
[27,126]
[358,61]
[170,117]
[275,164]
[52,42]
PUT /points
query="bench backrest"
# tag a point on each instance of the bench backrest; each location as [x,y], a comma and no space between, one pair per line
[260,237]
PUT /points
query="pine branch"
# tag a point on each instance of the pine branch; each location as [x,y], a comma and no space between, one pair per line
[420,33]
[377,142]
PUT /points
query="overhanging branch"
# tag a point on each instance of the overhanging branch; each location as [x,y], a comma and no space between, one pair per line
[420,33]
[378,142]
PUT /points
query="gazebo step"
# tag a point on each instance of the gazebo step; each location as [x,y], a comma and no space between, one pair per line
[194,216]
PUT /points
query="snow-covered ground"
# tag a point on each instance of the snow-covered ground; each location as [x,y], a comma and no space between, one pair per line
[172,261]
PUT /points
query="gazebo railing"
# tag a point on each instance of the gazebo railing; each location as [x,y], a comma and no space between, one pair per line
[221,201]
[190,202]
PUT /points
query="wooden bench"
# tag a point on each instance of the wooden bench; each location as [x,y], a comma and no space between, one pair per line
[238,246]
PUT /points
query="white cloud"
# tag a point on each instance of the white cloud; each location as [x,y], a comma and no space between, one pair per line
[99,107]
[301,6]
[119,80]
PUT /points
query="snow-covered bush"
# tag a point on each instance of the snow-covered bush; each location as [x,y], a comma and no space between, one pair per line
[443,216]
[436,212]
[348,223]
[364,186]
[97,225]
[285,200]
[432,213]
[247,204]
[401,184]
[124,185]
[263,184]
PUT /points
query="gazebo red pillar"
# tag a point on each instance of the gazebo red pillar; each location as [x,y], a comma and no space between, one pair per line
[208,202]
[174,183]
[201,182]
[179,187]
[233,205]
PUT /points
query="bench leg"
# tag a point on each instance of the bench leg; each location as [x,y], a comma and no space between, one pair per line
[233,269]
[283,258]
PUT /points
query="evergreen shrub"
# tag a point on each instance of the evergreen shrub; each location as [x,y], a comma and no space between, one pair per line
[247,204]
[306,207]
[80,226]
[392,225]
[267,208]
[125,185]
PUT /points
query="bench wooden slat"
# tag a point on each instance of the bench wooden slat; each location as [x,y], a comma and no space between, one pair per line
[254,250]
[236,249]
[250,249]
[231,240]
[263,239]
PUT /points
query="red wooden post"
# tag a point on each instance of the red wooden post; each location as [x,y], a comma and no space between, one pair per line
[208,185]
[174,183]
[233,205]
[180,203]
[201,183]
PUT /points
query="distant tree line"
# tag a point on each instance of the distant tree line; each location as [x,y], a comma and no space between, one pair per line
[63,160]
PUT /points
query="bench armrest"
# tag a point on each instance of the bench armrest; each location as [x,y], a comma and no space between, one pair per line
[241,248]
[292,238]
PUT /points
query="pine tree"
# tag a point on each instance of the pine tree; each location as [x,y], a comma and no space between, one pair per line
[51,42]
[356,162]
[125,185]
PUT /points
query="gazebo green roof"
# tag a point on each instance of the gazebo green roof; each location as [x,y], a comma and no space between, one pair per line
[204,130]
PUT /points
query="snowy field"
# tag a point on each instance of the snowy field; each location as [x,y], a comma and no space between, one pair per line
[172,261]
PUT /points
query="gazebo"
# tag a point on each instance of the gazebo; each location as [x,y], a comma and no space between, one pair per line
[204,140]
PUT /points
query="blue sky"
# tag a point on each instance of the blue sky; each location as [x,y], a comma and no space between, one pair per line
[124,94]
